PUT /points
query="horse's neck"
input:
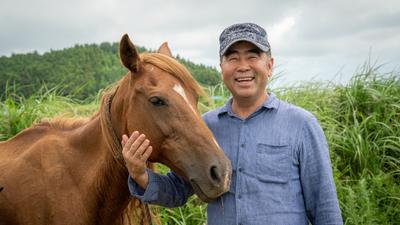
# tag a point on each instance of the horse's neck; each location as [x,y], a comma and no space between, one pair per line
[107,186]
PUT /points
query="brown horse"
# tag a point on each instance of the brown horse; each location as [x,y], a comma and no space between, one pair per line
[64,172]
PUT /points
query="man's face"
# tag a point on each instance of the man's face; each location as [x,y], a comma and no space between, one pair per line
[245,71]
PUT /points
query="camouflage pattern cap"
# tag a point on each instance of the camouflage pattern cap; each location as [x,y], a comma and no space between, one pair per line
[243,32]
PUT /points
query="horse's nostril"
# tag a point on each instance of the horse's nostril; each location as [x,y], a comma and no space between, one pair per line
[215,176]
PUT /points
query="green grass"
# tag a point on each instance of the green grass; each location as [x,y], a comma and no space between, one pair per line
[18,113]
[361,121]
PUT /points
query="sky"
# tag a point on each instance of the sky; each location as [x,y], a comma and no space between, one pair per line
[311,40]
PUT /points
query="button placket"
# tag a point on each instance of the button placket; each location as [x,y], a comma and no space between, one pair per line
[242,145]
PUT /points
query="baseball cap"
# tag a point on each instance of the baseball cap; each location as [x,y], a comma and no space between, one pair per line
[250,32]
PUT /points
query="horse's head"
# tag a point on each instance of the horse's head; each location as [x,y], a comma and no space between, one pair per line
[158,97]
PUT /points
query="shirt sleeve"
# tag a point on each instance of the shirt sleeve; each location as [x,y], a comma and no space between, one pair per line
[169,190]
[316,176]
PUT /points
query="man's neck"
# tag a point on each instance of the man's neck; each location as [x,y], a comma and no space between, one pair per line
[244,107]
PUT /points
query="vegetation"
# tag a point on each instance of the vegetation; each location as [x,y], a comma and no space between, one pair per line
[79,71]
[361,121]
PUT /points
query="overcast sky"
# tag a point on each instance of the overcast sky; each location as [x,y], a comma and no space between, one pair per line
[310,40]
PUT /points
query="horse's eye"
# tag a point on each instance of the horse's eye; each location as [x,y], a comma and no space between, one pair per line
[156,101]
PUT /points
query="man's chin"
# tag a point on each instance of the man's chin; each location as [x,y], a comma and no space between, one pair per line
[245,95]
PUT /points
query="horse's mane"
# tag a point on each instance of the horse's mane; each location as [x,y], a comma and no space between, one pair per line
[62,123]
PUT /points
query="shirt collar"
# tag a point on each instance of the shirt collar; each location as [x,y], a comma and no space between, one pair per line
[271,103]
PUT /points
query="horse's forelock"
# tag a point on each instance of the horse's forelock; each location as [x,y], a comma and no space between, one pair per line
[173,67]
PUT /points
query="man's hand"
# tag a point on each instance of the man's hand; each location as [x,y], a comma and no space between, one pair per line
[136,150]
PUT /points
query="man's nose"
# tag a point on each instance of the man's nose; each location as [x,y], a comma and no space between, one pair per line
[243,65]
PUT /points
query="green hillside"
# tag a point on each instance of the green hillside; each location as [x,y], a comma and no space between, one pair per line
[80,71]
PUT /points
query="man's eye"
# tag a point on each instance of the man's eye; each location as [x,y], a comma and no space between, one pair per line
[156,101]
[253,56]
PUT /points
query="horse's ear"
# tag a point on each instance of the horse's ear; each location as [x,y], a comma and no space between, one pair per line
[128,54]
[164,49]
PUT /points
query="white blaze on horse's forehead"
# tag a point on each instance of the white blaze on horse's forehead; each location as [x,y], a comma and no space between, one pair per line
[179,89]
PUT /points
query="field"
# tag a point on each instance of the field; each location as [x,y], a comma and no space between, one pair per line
[361,121]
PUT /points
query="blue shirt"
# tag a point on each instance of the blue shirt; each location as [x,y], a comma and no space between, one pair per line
[281,170]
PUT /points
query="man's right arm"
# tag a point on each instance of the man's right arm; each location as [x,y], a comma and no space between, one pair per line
[169,191]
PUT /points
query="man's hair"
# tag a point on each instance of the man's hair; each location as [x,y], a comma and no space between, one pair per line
[268,53]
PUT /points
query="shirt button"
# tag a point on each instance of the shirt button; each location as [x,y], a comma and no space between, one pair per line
[242,145]
[239,196]
[240,169]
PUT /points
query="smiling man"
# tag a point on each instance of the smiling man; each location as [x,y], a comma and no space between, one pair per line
[280,158]
[246,70]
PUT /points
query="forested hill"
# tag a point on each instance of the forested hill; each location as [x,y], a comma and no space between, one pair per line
[80,71]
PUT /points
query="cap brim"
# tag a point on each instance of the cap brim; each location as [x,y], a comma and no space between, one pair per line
[262,48]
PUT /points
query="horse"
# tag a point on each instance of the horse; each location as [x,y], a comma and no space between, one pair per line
[72,172]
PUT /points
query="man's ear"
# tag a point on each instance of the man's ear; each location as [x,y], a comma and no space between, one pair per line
[164,49]
[270,65]
[129,55]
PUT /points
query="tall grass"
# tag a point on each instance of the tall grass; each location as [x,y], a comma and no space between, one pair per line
[368,128]
[218,95]
[361,121]
[18,112]
[193,212]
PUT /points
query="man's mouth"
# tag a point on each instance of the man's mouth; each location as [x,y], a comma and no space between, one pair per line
[244,79]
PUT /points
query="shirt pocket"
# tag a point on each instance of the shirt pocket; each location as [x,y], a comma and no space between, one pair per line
[273,163]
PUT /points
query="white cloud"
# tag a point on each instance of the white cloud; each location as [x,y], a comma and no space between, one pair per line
[280,29]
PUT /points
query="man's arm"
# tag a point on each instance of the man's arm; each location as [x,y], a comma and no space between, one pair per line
[316,176]
[168,191]
[150,187]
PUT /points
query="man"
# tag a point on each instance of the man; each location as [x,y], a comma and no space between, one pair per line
[280,159]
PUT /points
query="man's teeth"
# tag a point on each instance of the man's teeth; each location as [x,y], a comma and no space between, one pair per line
[244,79]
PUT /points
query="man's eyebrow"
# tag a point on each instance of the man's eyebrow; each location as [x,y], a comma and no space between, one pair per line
[254,50]
[230,51]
